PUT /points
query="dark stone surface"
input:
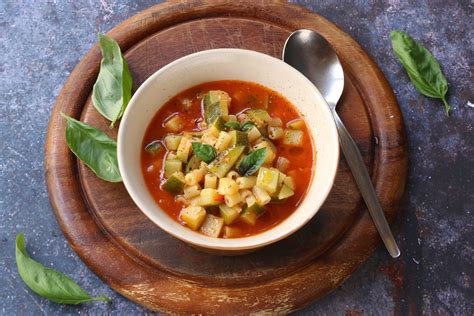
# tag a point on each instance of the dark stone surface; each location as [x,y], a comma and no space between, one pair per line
[40,43]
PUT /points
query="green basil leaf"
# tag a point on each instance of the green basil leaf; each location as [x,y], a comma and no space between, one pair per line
[247,126]
[113,89]
[49,283]
[422,68]
[97,150]
[204,152]
[250,164]
[233,124]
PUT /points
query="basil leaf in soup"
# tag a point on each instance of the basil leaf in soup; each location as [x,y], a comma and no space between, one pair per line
[247,126]
[113,89]
[93,147]
[204,152]
[422,68]
[252,162]
[233,125]
[47,282]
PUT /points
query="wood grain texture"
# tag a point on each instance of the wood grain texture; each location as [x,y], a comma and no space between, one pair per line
[156,270]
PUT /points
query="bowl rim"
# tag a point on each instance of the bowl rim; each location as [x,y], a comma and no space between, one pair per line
[130,189]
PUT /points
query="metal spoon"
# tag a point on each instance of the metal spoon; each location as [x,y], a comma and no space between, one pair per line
[312,55]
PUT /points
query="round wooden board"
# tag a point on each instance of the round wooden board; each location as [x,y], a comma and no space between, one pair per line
[155,270]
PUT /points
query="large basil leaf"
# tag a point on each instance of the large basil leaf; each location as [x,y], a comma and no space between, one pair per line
[49,283]
[113,88]
[422,68]
[250,164]
[97,150]
[205,152]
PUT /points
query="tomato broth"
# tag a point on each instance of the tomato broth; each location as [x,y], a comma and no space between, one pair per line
[244,95]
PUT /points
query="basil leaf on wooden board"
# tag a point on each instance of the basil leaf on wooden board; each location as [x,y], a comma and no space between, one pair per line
[250,164]
[204,152]
[113,89]
[247,126]
[233,124]
[49,283]
[97,150]
[422,68]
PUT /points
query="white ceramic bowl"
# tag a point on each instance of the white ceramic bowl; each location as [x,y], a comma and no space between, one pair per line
[228,64]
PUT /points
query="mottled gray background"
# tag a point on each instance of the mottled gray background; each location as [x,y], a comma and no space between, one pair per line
[41,42]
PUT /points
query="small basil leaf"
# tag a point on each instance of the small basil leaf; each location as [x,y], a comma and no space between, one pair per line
[250,164]
[97,150]
[49,283]
[113,89]
[204,152]
[422,68]
[233,124]
[247,126]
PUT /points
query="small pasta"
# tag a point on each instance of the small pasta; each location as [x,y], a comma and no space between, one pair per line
[243,117]
[191,191]
[246,182]
[232,118]
[261,195]
[275,132]
[250,200]
[227,186]
[244,194]
[193,177]
[232,199]
[233,175]
[210,181]
[282,164]
[253,134]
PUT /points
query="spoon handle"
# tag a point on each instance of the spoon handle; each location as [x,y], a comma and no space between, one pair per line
[361,176]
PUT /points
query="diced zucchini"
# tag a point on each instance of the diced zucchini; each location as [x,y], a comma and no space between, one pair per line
[261,195]
[172,166]
[227,186]
[239,139]
[289,182]
[259,117]
[184,149]
[172,141]
[154,148]
[210,197]
[193,163]
[293,137]
[257,209]
[229,214]
[212,226]
[296,124]
[193,216]
[175,183]
[225,161]
[267,179]
[253,134]
[275,132]
[174,123]
[232,232]
[218,124]
[285,192]
[248,216]
[271,151]
[281,178]
[216,104]
[223,141]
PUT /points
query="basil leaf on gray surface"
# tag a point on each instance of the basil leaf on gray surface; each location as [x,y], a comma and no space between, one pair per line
[49,283]
[250,164]
[422,68]
[113,88]
[247,126]
[204,152]
[97,150]
[233,124]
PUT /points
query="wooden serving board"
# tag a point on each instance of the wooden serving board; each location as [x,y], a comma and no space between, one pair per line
[155,270]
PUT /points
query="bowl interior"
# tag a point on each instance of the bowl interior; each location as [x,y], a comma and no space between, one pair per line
[228,64]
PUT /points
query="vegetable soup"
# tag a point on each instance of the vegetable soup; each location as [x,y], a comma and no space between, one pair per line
[228,158]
